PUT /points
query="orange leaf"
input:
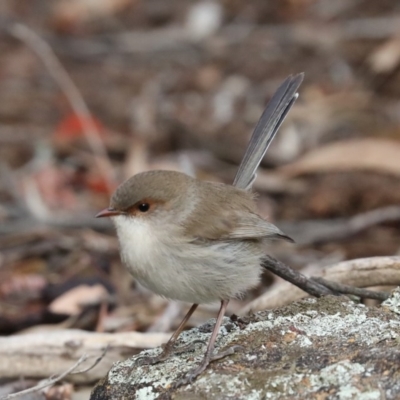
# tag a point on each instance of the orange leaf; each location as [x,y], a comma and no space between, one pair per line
[72,127]
[98,184]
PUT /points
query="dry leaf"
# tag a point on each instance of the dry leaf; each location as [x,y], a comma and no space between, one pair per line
[386,57]
[63,391]
[82,10]
[376,155]
[71,302]
[27,286]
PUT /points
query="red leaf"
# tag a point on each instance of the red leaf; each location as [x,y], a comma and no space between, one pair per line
[98,184]
[72,127]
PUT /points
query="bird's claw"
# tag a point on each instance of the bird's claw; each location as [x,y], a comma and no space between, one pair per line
[147,360]
[188,347]
[193,374]
[228,352]
[166,352]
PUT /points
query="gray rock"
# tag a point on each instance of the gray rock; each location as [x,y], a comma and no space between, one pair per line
[328,348]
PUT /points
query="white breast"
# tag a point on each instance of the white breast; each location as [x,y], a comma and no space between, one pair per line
[168,265]
[138,241]
[148,252]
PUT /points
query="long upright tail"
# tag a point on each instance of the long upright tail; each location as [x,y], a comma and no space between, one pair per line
[266,129]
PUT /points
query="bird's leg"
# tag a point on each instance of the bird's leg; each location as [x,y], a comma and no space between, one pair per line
[168,347]
[208,356]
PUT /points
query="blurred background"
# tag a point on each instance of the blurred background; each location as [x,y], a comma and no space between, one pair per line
[92,92]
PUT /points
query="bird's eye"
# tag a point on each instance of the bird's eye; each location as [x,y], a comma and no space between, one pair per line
[143,207]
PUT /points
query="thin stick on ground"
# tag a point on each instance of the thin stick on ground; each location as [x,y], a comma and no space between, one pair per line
[70,90]
[358,273]
[347,289]
[295,277]
[98,359]
[41,354]
[323,287]
[322,231]
[47,382]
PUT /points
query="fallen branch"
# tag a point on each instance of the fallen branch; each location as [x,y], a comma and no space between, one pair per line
[346,289]
[178,42]
[39,355]
[358,273]
[295,277]
[304,232]
[321,231]
[47,382]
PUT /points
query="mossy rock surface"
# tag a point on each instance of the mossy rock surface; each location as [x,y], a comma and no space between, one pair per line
[328,348]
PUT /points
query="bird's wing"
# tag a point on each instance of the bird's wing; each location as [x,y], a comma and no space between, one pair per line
[236,226]
[252,226]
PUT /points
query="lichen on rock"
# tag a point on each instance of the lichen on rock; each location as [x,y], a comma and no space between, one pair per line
[315,348]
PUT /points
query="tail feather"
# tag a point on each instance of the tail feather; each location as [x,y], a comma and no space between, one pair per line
[266,129]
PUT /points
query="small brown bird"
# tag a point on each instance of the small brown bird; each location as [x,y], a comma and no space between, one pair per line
[198,241]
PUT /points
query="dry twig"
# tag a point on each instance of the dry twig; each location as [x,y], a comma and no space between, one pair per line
[346,289]
[295,277]
[47,382]
[179,43]
[38,355]
[94,364]
[358,273]
[320,231]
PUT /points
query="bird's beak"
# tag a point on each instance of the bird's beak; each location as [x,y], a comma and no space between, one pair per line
[108,212]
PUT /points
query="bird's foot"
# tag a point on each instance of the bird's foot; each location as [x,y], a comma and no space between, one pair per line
[194,373]
[167,351]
